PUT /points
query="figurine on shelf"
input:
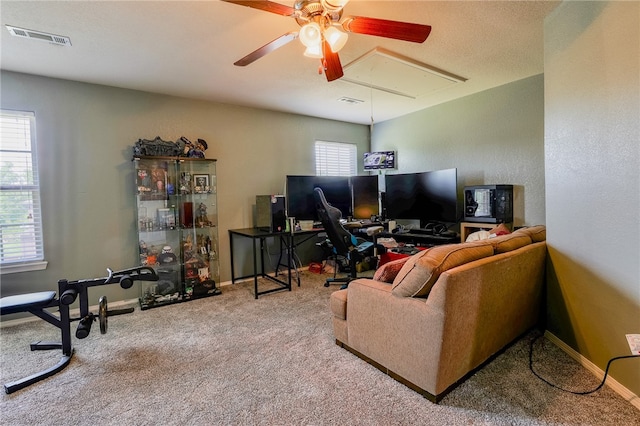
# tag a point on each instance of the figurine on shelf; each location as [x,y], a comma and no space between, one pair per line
[167,256]
[185,183]
[143,252]
[152,257]
[193,149]
[157,147]
[202,218]
[187,246]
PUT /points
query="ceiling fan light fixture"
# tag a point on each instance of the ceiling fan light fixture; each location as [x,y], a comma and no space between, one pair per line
[336,38]
[313,52]
[311,34]
[333,5]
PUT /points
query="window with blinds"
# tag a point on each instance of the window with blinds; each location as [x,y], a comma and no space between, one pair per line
[20,216]
[336,159]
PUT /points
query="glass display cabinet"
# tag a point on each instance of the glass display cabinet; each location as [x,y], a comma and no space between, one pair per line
[177,228]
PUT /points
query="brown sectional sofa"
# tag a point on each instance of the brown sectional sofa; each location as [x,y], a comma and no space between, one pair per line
[448,311]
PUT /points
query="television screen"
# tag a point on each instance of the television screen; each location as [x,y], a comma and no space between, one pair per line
[429,196]
[365,196]
[300,202]
[379,160]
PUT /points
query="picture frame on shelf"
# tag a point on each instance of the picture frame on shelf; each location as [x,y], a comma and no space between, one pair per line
[153,181]
[201,184]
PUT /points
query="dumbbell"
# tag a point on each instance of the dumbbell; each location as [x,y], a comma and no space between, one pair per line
[84,327]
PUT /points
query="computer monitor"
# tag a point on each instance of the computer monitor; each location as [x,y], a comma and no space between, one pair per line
[430,197]
[439,196]
[365,196]
[299,194]
[401,191]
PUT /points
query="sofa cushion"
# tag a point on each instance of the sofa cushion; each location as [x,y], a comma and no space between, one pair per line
[505,243]
[537,233]
[388,272]
[422,270]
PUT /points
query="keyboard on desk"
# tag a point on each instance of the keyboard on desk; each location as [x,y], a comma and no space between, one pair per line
[419,231]
[429,236]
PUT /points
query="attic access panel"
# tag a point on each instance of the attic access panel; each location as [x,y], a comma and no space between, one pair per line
[393,73]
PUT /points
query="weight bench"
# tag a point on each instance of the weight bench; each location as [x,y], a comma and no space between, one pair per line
[69,291]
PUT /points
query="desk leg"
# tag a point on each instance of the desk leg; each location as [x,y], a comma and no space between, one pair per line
[291,260]
[233,275]
[255,266]
[286,242]
[279,260]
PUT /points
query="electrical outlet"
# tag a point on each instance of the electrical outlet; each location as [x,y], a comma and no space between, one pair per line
[634,343]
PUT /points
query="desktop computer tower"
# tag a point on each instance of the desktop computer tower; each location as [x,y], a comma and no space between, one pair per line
[270,213]
[488,203]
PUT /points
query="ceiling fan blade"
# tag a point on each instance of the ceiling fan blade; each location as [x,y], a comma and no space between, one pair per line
[331,63]
[406,31]
[267,48]
[267,6]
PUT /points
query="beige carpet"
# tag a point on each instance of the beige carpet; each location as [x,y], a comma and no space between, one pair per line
[231,359]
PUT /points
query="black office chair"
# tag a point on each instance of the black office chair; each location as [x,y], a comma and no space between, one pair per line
[344,244]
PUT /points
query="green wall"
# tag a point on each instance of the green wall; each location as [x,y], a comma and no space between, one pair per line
[592,146]
[492,137]
[85,135]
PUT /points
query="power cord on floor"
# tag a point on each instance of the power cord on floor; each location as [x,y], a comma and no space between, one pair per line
[606,371]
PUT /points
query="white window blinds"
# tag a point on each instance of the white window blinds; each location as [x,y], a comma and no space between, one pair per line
[20,216]
[336,159]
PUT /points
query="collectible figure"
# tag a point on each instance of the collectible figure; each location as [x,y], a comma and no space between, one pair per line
[158,146]
[191,149]
[167,256]
[202,219]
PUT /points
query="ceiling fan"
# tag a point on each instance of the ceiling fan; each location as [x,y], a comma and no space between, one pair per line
[324,32]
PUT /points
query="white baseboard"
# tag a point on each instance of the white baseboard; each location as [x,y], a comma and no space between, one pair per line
[611,382]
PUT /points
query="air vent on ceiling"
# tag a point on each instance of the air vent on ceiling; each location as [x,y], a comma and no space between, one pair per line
[39,35]
[349,100]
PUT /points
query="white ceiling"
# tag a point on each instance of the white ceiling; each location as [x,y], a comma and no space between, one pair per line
[187,48]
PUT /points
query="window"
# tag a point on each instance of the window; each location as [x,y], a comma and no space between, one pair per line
[336,159]
[21,247]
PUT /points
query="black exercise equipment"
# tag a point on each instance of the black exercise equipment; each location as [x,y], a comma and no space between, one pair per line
[69,291]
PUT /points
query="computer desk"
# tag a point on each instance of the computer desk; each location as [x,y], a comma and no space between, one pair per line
[287,245]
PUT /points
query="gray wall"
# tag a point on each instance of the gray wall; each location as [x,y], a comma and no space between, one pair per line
[85,135]
[592,146]
[492,137]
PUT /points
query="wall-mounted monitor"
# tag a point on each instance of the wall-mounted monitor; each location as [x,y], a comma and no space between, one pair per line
[379,160]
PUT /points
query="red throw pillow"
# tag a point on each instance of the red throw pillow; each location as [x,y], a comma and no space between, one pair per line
[500,230]
[387,272]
